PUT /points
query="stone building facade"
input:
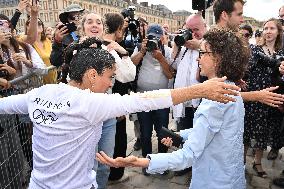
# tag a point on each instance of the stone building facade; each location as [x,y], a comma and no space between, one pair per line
[50,9]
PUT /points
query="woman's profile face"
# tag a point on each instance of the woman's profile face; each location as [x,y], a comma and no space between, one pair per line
[206,61]
[101,83]
[93,26]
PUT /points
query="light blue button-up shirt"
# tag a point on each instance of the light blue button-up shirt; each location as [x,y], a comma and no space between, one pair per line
[213,147]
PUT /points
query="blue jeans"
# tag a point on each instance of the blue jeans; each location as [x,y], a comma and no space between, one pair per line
[158,118]
[105,144]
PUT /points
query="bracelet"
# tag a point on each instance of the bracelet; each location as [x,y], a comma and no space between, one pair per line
[125,54]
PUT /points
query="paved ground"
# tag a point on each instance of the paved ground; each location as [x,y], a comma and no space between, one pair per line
[137,180]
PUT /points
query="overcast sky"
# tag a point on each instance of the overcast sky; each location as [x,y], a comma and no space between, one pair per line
[258,9]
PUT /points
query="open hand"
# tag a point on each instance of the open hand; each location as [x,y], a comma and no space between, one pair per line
[122,162]
[266,96]
[215,89]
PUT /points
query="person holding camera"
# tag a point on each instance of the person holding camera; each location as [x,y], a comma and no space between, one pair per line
[65,32]
[153,74]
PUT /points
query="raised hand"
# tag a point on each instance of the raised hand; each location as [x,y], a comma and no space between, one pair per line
[115,46]
[60,32]
[22,5]
[4,37]
[21,57]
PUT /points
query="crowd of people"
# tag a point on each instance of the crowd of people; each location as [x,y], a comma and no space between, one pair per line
[225,93]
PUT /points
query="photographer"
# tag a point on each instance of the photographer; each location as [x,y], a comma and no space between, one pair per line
[65,33]
[154,74]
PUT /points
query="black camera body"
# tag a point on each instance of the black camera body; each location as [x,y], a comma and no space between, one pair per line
[152,43]
[281,21]
[70,26]
[183,36]
[4,74]
[129,13]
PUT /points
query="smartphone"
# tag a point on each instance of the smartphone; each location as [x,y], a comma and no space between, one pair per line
[70,26]
[177,139]
[4,26]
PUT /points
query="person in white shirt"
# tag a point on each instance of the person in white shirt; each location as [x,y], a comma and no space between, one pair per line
[68,118]
[109,32]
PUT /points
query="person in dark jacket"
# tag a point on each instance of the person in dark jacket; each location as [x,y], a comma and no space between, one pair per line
[62,37]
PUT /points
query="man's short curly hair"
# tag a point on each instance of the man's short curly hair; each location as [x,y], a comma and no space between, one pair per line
[230,51]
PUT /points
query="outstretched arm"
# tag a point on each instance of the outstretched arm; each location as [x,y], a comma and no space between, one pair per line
[107,106]
[265,96]
[16,104]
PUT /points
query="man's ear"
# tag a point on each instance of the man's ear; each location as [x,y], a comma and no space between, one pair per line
[224,16]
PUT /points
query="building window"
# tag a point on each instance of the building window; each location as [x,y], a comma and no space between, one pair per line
[56,16]
[51,17]
[49,4]
[44,5]
[55,5]
[46,17]
[64,4]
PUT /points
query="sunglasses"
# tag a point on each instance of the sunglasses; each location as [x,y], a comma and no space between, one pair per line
[201,53]
[75,17]
[246,35]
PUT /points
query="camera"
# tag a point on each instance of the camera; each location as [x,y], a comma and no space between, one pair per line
[281,21]
[182,36]
[152,43]
[129,13]
[70,26]
[4,74]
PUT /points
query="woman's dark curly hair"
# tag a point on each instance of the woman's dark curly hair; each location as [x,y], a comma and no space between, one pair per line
[69,54]
[90,58]
[230,51]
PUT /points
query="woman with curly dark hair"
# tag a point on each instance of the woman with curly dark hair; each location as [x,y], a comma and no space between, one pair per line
[214,147]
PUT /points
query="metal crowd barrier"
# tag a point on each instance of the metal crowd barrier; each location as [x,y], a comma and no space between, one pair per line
[16,137]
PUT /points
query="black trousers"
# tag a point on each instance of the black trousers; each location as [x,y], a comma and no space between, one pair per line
[119,149]
[186,122]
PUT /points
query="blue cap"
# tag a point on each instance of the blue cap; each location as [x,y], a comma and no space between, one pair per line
[155,30]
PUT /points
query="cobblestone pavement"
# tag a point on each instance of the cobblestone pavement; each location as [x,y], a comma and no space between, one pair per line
[138,180]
